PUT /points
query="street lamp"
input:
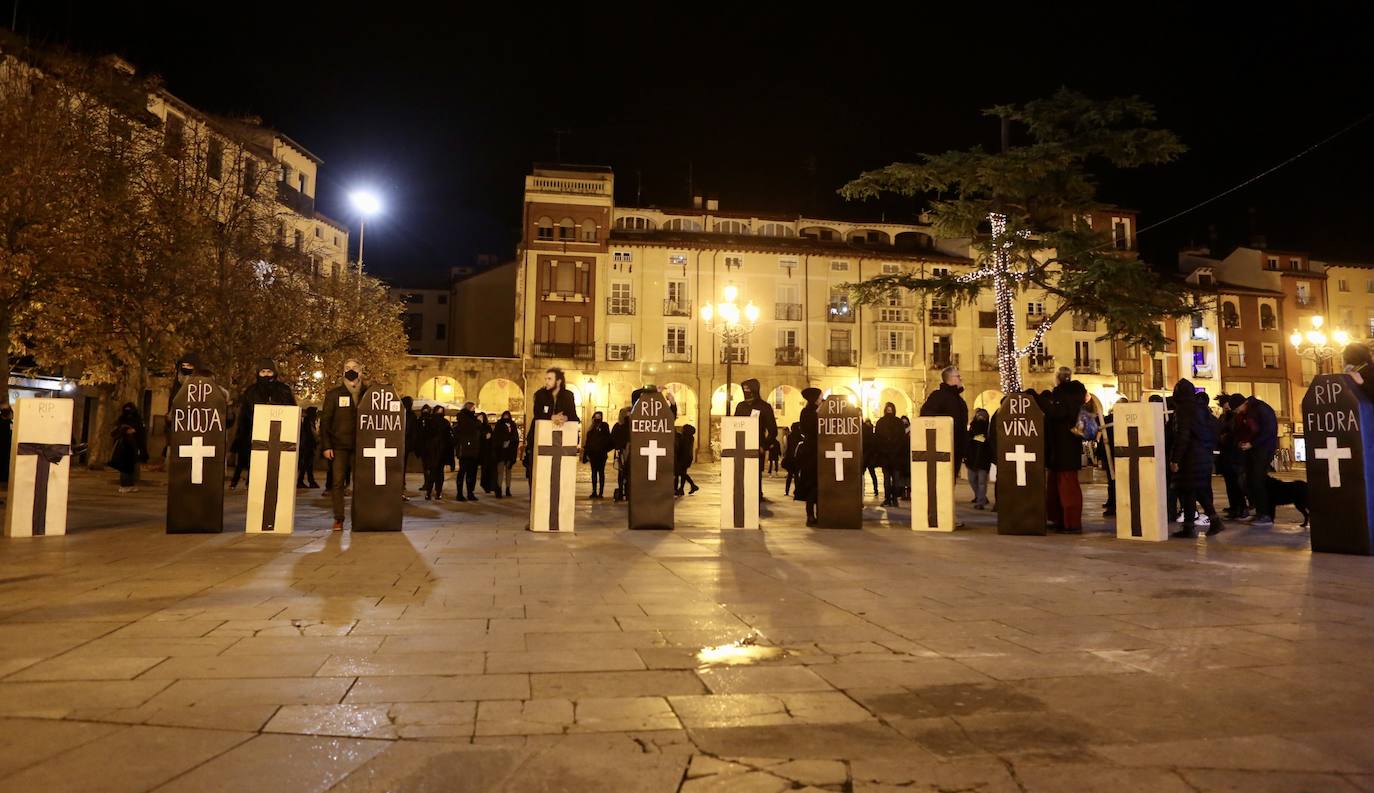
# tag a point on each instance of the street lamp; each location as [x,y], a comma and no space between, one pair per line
[367,204]
[1316,346]
[732,325]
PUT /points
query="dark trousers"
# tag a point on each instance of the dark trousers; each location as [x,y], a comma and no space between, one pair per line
[1191,495]
[1234,476]
[893,484]
[1064,499]
[598,477]
[129,478]
[787,485]
[1256,472]
[340,468]
[434,481]
[467,475]
[873,475]
[682,481]
[240,468]
[305,469]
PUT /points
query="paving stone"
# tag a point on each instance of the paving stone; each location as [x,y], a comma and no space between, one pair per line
[298,763]
[530,717]
[577,685]
[438,688]
[761,679]
[131,759]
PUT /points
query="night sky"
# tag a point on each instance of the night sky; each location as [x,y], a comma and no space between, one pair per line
[444,111]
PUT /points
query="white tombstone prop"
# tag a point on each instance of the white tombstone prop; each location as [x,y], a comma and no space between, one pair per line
[40,465]
[740,460]
[272,488]
[1141,478]
[552,491]
[932,473]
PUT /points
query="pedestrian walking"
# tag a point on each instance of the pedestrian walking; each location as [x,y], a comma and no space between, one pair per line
[684,454]
[130,447]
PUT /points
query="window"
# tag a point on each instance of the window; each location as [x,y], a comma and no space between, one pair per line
[839,300]
[214,159]
[250,177]
[677,291]
[621,301]
[1369,285]
[892,340]
[634,224]
[1206,279]
[939,272]
[779,399]
[902,314]
[787,337]
[731,227]
[839,267]
[682,224]
[1035,308]
[1121,233]
[1342,285]
[1304,290]
[622,257]
[1268,321]
[1230,316]
[678,258]
[1157,374]
[567,230]
[776,230]
[1199,358]
[1040,356]
[319,233]
[840,339]
[443,300]
[1271,355]
[565,280]
[300,240]
[1272,263]
[734,262]
[941,351]
[1295,264]
[440,332]
[174,136]
[987,319]
[336,240]
[545,229]
[588,231]
[676,339]
[1235,354]
[1082,353]
[891,269]
[941,312]
[301,181]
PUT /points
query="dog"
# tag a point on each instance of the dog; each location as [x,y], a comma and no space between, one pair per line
[1281,492]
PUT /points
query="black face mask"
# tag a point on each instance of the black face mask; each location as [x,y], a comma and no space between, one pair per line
[264,380]
[187,372]
[350,375]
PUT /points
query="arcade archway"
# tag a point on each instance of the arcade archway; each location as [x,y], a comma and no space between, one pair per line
[989,400]
[787,404]
[718,399]
[500,395]
[443,390]
[897,397]
[686,400]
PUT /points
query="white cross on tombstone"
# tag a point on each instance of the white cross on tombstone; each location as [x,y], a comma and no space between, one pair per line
[1332,454]
[380,453]
[839,455]
[653,451]
[199,453]
[1020,457]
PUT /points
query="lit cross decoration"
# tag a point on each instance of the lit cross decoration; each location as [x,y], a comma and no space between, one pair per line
[198,452]
[839,455]
[653,451]
[1020,456]
[380,453]
[1332,453]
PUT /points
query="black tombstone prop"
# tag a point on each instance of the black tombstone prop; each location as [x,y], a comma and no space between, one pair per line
[195,458]
[378,456]
[839,465]
[1020,430]
[650,452]
[1340,483]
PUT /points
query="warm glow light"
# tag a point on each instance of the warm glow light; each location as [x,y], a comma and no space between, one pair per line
[366,202]
[1342,338]
[707,312]
[1318,320]
[751,312]
[1317,338]
[1296,338]
[731,292]
[446,389]
[318,374]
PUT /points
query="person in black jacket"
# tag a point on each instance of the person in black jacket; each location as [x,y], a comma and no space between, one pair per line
[467,444]
[307,448]
[1190,460]
[684,454]
[412,437]
[1259,440]
[1230,461]
[807,489]
[871,462]
[505,441]
[487,478]
[436,451]
[554,402]
[752,403]
[1064,453]
[789,456]
[620,441]
[948,400]
[596,447]
[339,432]
[130,447]
[1359,364]
[892,452]
[267,390]
[978,458]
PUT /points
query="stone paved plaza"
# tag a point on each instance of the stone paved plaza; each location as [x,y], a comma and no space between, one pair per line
[466,654]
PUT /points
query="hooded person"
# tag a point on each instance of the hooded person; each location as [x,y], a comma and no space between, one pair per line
[807,487]
[435,441]
[265,390]
[596,447]
[684,454]
[752,403]
[1190,459]
[130,447]
[309,446]
[505,441]
[892,453]
[339,432]
[1230,460]
[467,445]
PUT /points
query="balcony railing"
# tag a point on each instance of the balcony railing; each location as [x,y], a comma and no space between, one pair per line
[677,308]
[1230,323]
[789,356]
[894,358]
[1042,365]
[839,312]
[841,358]
[620,352]
[1204,371]
[1232,359]
[620,306]
[295,200]
[987,363]
[1034,321]
[788,311]
[1304,300]
[1084,324]
[681,353]
[1269,324]
[939,360]
[1087,366]
[565,296]
[943,317]
[734,354]
[1271,362]
[556,349]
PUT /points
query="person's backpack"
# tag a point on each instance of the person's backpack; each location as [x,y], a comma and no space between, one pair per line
[1087,425]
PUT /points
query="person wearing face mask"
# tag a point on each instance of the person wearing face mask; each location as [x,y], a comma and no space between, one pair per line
[595,449]
[130,447]
[339,430]
[505,441]
[187,366]
[266,390]
[892,449]
[753,403]
[436,451]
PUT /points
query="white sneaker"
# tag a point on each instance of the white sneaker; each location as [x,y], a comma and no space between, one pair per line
[1202,520]
[1179,519]
[124,490]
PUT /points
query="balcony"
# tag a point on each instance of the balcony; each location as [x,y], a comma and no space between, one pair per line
[1034,321]
[939,360]
[1204,371]
[677,308]
[565,296]
[841,358]
[894,314]
[839,312]
[620,306]
[1235,360]
[894,358]
[570,350]
[1230,323]
[734,354]
[295,200]
[1041,365]
[1304,300]
[942,317]
[1271,361]
[987,363]
[620,352]
[1084,324]
[678,353]
[789,356]
[791,312]
[1087,366]
[1269,324]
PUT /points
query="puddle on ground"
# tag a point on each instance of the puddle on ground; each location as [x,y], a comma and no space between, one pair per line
[744,651]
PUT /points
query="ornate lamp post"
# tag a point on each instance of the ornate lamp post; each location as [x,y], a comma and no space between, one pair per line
[733,325]
[1316,346]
